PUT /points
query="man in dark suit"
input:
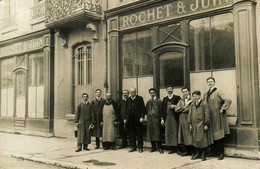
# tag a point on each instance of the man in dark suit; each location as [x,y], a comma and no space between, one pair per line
[122,114]
[97,105]
[171,118]
[134,119]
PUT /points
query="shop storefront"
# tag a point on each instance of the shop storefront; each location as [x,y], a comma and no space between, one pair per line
[26,79]
[183,42]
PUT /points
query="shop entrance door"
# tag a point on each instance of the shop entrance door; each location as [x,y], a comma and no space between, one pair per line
[20,99]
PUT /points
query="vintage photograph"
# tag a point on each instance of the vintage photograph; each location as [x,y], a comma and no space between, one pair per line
[130,84]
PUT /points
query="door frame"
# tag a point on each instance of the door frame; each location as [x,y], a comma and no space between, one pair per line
[170,47]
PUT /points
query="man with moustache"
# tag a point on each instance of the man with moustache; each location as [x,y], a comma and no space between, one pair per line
[171,119]
[134,119]
[122,117]
[218,103]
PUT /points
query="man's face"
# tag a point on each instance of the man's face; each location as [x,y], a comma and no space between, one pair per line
[125,94]
[152,93]
[108,97]
[185,93]
[133,93]
[211,83]
[169,90]
[196,97]
[85,97]
[98,93]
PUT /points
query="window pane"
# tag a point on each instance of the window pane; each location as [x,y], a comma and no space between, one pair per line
[212,43]
[89,71]
[129,55]
[136,54]
[223,47]
[40,69]
[200,45]
[171,69]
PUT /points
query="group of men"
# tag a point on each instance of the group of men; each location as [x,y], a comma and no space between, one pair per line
[193,125]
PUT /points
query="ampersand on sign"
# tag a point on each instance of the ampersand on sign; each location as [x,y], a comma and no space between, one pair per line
[181,8]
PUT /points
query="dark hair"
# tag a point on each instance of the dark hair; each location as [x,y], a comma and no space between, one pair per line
[185,88]
[84,94]
[211,78]
[196,92]
[169,86]
[98,90]
[152,89]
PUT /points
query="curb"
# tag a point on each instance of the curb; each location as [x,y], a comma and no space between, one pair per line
[62,164]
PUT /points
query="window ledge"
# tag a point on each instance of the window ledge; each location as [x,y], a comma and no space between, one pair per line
[37,20]
[9,29]
[70,117]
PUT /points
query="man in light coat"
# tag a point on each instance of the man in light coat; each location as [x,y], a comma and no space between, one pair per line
[218,103]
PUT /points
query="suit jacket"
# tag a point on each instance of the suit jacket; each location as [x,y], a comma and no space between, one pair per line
[122,109]
[174,100]
[135,109]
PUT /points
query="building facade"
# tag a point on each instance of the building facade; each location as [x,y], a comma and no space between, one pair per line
[51,51]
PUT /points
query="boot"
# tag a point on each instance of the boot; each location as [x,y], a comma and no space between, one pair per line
[196,155]
[203,155]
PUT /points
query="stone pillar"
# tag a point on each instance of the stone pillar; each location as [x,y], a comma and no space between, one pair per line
[113,58]
[247,75]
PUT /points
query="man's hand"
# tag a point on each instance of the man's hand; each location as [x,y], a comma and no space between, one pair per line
[221,111]
[77,124]
[101,123]
[162,122]
[141,120]
[125,121]
[115,123]
[206,128]
[172,106]
[191,128]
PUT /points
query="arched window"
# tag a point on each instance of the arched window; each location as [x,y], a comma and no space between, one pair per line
[83,65]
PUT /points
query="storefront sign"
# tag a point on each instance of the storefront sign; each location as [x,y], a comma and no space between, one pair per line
[171,10]
[21,47]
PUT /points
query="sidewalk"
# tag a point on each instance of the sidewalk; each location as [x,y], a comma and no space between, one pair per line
[61,152]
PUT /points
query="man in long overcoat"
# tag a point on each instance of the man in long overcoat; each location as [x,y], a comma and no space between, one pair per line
[218,103]
[184,135]
[97,105]
[134,119]
[171,118]
[83,119]
[109,122]
[122,118]
[199,120]
[154,121]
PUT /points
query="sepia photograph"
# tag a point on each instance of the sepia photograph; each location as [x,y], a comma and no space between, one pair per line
[130,84]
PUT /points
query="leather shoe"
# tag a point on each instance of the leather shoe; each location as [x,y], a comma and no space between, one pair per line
[203,156]
[87,149]
[97,147]
[140,150]
[160,151]
[221,157]
[171,152]
[132,150]
[105,148]
[196,156]
[153,150]
[179,153]
[78,150]
[114,148]
[184,153]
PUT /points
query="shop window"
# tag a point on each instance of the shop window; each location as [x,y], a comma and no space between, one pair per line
[36,74]
[136,54]
[171,69]
[83,65]
[212,43]
[7,87]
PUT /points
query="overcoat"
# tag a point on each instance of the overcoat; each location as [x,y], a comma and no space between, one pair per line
[184,134]
[122,109]
[154,115]
[97,113]
[109,117]
[217,100]
[84,117]
[171,120]
[199,117]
